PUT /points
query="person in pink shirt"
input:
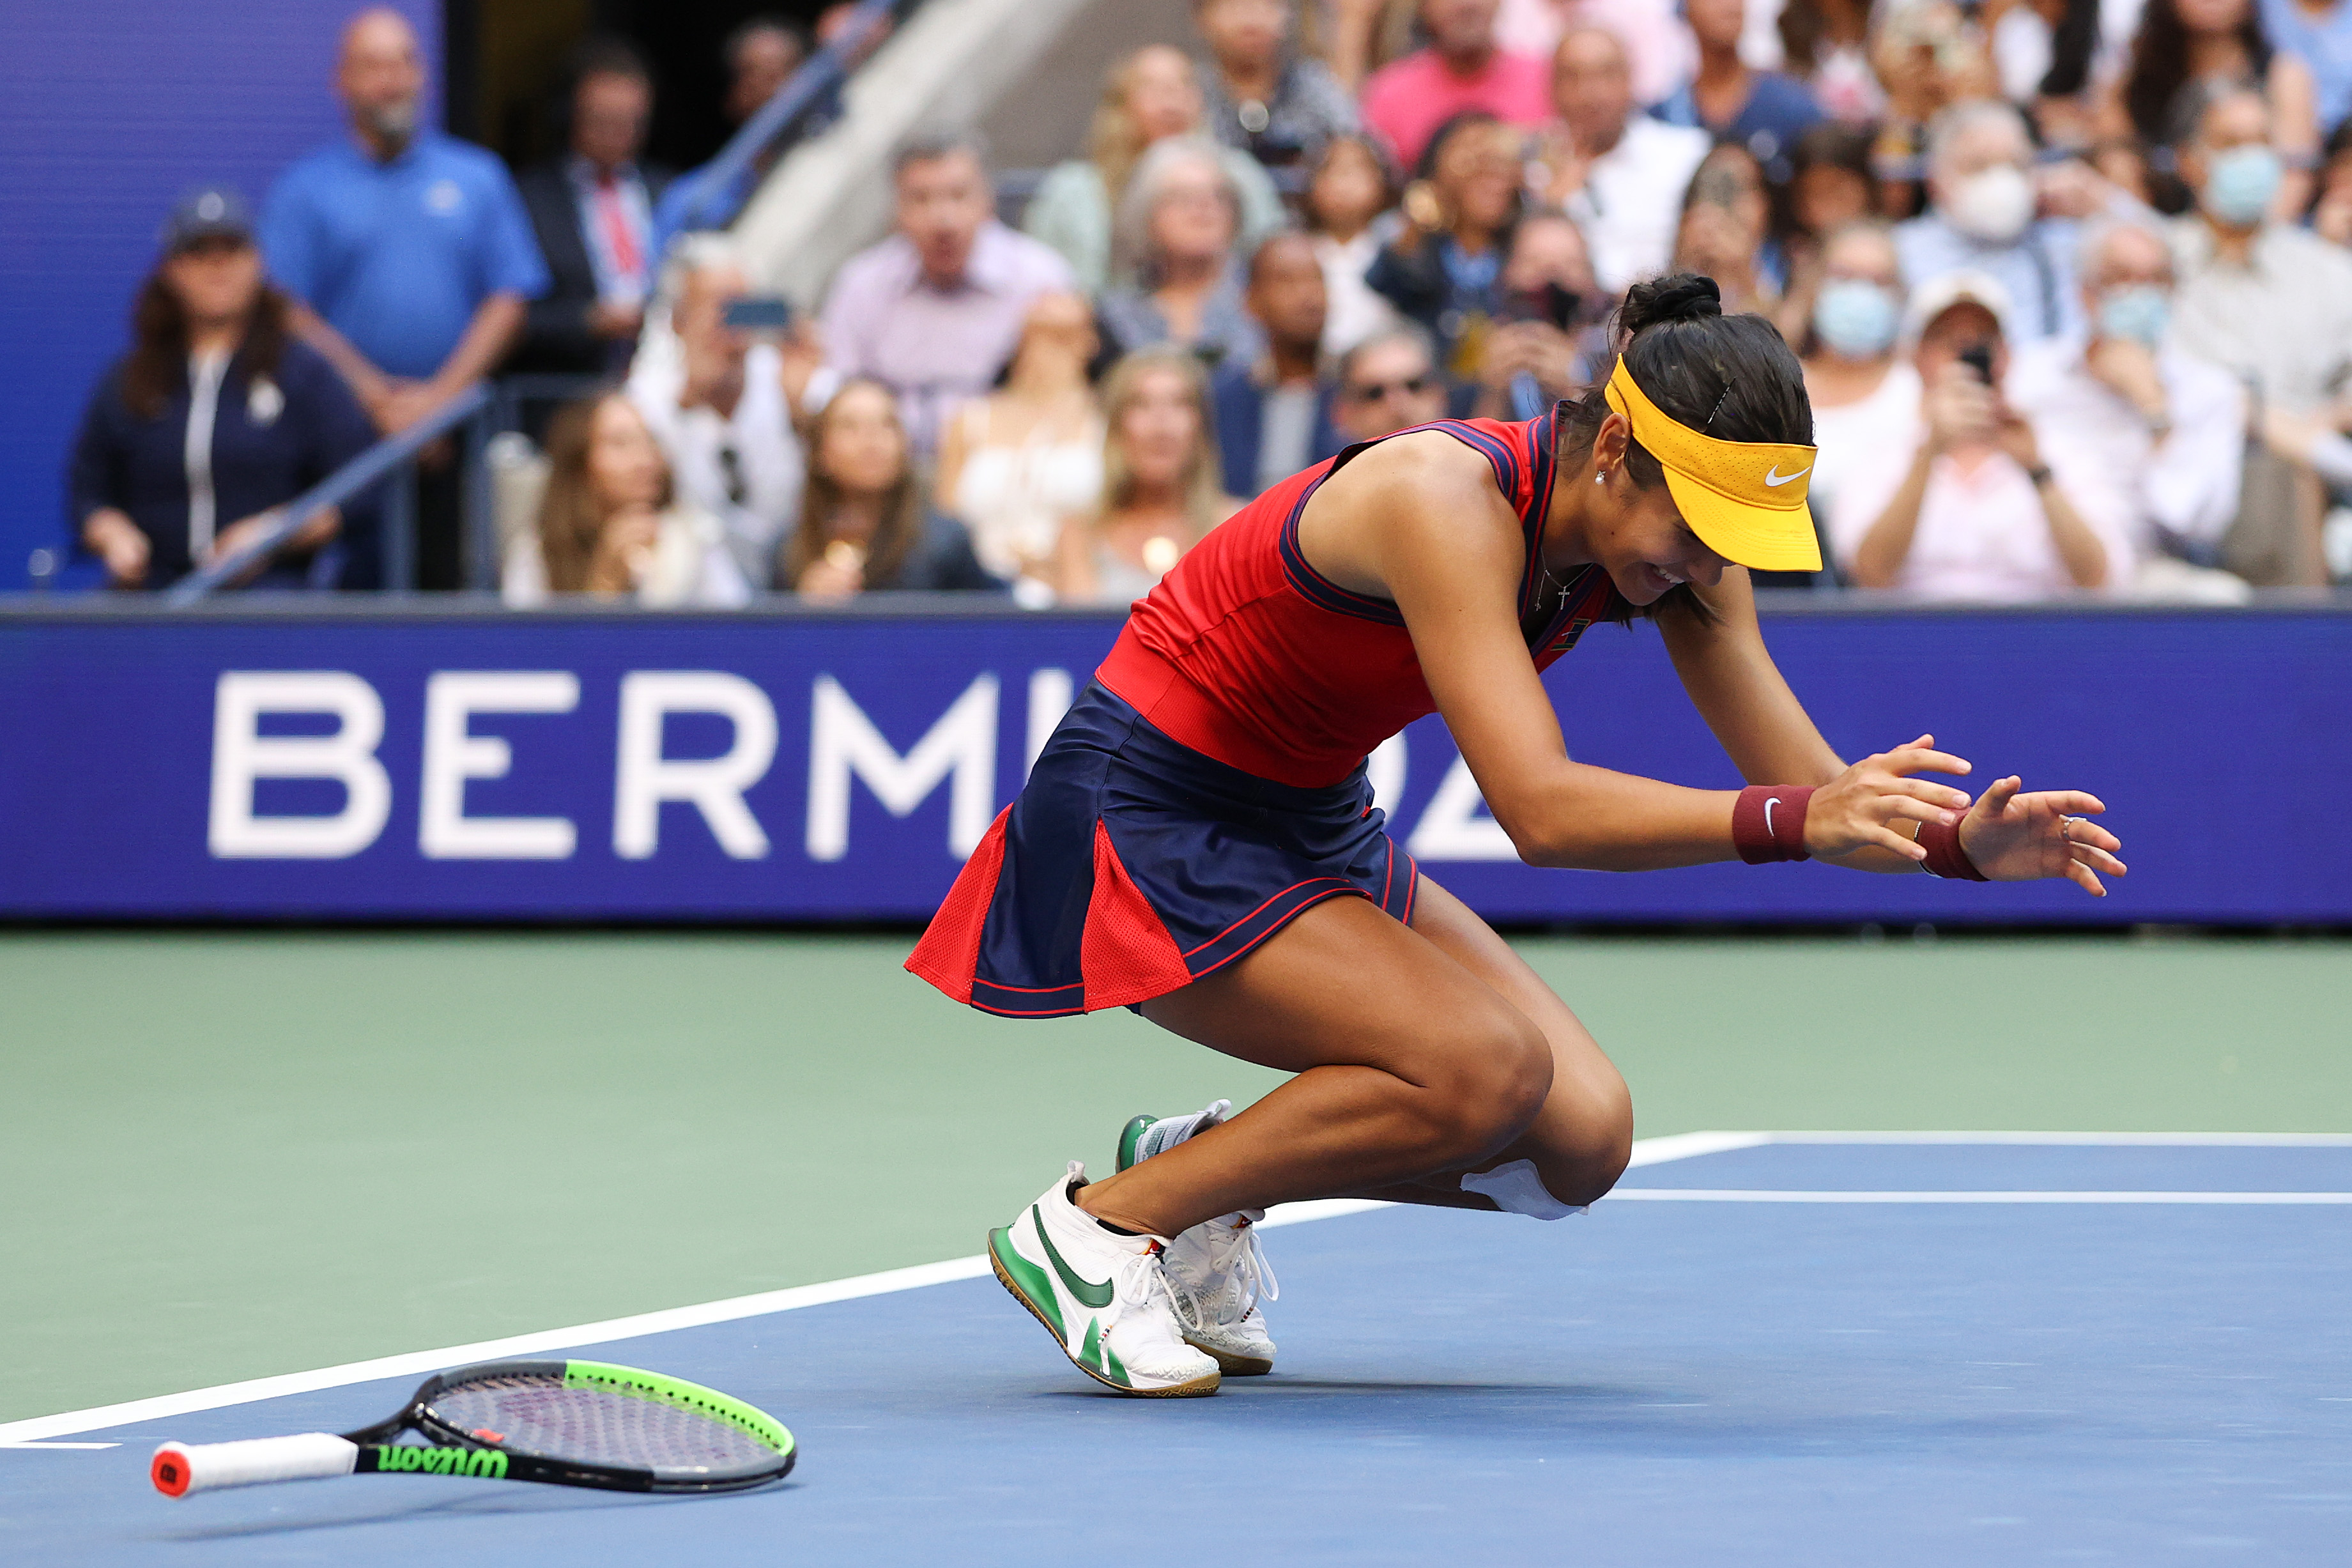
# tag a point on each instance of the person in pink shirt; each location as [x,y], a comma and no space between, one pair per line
[1463,68]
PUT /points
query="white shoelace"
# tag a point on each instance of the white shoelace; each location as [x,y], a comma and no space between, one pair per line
[1236,1253]
[1139,1278]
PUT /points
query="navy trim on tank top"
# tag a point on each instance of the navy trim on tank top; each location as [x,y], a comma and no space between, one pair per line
[1500,455]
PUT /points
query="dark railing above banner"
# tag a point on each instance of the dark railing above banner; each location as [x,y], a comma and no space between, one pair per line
[346,482]
[808,89]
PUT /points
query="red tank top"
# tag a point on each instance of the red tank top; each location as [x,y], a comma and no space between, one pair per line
[1247,654]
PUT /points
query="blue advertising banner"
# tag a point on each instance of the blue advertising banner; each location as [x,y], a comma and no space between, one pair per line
[816,766]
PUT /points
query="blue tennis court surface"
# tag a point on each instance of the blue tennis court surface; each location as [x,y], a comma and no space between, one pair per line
[1808,1353]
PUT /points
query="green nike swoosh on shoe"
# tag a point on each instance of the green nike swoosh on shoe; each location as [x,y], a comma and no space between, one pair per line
[1094,1296]
[1122,1331]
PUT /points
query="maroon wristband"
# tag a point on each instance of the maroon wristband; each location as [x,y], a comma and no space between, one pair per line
[1944,856]
[1768,823]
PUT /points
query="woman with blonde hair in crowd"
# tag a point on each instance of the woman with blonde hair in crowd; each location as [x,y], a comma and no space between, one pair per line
[1179,233]
[611,523]
[1162,492]
[863,526]
[1149,96]
[1014,464]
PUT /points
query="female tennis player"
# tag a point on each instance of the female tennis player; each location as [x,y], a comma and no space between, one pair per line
[1197,840]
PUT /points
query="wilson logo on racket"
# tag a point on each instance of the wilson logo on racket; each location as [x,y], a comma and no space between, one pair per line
[483,1462]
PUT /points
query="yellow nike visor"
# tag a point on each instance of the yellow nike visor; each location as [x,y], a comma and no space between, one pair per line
[1745,499]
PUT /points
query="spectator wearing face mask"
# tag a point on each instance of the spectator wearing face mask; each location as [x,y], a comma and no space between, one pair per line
[1261,97]
[2272,303]
[1620,175]
[2268,300]
[1389,383]
[1764,111]
[1992,214]
[2161,433]
[1975,506]
[1866,398]
[1461,71]
[2182,44]
[1274,415]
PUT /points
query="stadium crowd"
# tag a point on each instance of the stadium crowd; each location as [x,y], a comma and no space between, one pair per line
[2070,280]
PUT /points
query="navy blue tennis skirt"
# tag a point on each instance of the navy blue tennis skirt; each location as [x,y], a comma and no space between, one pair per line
[1133,865]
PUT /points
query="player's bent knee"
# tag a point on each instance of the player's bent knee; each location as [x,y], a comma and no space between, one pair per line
[1492,1082]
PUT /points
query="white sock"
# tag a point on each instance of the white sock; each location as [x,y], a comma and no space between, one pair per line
[1515,1189]
[1164,1135]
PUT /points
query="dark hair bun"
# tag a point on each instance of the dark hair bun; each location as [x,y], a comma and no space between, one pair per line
[1683,297]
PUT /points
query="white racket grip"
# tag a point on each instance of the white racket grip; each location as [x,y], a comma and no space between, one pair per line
[179,1468]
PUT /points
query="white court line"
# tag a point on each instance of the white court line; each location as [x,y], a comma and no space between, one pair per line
[1761,1195]
[38,1447]
[2124,1140]
[1646,1151]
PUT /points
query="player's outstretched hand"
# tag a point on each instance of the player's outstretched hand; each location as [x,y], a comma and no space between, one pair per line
[1857,809]
[2012,836]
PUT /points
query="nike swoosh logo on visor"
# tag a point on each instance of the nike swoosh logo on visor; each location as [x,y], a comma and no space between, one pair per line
[1776,478]
[1094,1296]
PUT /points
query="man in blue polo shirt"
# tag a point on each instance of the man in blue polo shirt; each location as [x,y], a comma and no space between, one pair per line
[413,261]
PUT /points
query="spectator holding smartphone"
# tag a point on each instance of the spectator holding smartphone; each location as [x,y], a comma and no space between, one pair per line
[1973,509]
[1726,233]
[1552,332]
[726,407]
[216,417]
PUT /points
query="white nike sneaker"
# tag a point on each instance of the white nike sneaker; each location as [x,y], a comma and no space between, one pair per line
[1217,1270]
[1104,1296]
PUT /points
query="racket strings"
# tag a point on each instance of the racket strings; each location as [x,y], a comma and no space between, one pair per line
[544,1417]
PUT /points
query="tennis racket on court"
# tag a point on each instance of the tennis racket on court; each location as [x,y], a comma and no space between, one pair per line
[572,1423]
